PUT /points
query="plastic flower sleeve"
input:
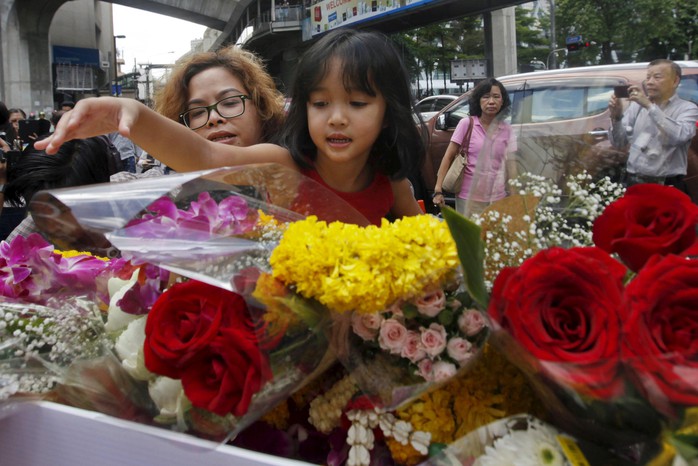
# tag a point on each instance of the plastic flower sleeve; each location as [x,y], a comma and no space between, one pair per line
[209,238]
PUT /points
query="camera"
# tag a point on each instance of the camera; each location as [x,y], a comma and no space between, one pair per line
[621,92]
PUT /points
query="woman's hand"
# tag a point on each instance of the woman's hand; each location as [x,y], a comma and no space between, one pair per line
[439,199]
[93,117]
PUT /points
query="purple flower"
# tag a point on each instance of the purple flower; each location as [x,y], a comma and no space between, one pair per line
[204,218]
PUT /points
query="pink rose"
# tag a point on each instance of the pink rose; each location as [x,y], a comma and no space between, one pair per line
[434,339]
[392,336]
[459,349]
[431,304]
[471,322]
[442,371]
[413,349]
[425,367]
[366,325]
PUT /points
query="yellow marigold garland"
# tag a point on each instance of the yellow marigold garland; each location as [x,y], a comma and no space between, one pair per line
[346,267]
[492,389]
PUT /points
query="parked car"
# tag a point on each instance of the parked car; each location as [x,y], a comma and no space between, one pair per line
[560,118]
[430,106]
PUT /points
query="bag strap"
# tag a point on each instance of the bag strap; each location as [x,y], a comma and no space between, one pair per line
[465,145]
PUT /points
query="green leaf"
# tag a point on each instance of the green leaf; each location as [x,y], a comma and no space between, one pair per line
[471,252]
[685,445]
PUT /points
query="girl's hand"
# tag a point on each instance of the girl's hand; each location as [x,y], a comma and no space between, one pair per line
[93,117]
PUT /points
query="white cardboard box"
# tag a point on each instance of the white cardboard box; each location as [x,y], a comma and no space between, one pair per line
[44,433]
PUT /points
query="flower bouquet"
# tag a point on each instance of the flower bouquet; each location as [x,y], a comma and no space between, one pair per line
[223,343]
[607,345]
[403,321]
[53,305]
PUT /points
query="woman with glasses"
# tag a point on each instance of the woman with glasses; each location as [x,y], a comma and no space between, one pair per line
[224,96]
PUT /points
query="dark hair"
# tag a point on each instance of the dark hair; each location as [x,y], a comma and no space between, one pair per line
[18,110]
[484,87]
[370,63]
[4,113]
[67,103]
[77,162]
[664,61]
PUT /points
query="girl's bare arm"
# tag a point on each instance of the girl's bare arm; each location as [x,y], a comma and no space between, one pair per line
[173,144]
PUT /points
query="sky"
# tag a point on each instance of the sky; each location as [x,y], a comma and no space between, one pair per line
[150,38]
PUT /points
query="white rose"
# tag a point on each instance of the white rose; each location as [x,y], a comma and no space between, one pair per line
[129,348]
[118,319]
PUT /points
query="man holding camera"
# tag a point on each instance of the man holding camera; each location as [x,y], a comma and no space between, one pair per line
[658,125]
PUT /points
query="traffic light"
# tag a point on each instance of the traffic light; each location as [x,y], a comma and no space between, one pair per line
[575,43]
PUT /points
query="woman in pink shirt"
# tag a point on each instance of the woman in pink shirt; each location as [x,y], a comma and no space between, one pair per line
[490,153]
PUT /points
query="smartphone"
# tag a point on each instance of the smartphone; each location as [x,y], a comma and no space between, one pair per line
[621,92]
[29,129]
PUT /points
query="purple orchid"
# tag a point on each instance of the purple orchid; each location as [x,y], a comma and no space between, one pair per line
[204,218]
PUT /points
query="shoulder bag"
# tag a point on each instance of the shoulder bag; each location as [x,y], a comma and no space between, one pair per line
[454,177]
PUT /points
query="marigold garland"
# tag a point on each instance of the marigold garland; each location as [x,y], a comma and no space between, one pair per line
[366,269]
[491,390]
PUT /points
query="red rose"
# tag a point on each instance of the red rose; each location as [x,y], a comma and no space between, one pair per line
[649,219]
[184,321]
[562,307]
[660,329]
[223,378]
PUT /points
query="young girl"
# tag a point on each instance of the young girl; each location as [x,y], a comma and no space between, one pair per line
[350,126]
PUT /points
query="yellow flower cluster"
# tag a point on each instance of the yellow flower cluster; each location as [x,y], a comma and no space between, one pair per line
[366,269]
[403,454]
[74,253]
[491,390]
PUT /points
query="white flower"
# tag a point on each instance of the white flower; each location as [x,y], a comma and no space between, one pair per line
[536,446]
[118,319]
[129,348]
[167,394]
[359,456]
[420,441]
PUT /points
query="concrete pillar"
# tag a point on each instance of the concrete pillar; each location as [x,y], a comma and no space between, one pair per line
[26,79]
[500,42]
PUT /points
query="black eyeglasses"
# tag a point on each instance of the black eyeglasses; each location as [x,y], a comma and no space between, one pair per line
[230,107]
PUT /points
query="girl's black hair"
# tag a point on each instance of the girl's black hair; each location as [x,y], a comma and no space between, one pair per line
[484,87]
[77,162]
[370,63]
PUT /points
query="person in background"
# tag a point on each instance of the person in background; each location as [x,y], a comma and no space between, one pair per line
[128,151]
[350,126]
[492,142]
[6,129]
[16,114]
[662,126]
[78,162]
[67,105]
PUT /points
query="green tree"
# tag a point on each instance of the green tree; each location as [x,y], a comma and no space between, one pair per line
[532,37]
[631,30]
[432,47]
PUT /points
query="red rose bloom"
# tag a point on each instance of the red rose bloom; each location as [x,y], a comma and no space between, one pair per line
[660,330]
[223,378]
[184,321]
[562,307]
[649,219]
